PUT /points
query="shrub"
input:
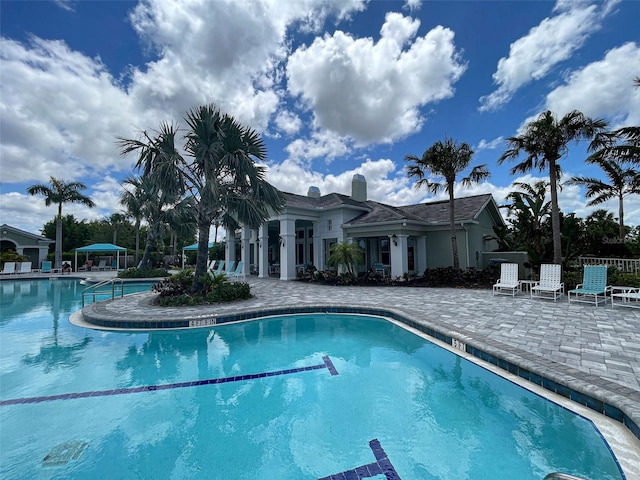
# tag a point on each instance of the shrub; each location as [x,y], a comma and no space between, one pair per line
[176,290]
[134,272]
[175,285]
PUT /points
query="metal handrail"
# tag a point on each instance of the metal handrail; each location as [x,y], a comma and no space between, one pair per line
[562,476]
[92,289]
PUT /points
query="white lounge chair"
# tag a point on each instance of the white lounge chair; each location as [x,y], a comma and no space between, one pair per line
[238,273]
[9,268]
[550,284]
[102,265]
[508,283]
[593,288]
[25,267]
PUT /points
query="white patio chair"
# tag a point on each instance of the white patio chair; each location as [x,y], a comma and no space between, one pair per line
[9,268]
[508,283]
[550,284]
[25,267]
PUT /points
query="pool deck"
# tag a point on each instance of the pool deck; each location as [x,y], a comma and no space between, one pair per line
[594,350]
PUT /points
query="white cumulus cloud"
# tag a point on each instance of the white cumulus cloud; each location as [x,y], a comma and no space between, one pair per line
[533,56]
[372,91]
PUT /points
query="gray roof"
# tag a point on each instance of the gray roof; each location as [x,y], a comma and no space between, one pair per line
[325,201]
[466,209]
[33,236]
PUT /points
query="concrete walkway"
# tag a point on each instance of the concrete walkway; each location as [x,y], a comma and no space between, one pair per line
[594,350]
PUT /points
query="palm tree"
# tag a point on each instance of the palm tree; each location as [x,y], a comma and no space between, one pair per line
[161,188]
[160,209]
[622,182]
[219,174]
[116,220]
[223,176]
[59,192]
[545,141]
[132,201]
[447,160]
[622,145]
[347,254]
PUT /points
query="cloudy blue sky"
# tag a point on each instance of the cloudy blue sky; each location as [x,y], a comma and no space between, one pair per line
[336,87]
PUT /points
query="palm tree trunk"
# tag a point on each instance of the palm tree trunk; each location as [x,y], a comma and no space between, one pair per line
[452,226]
[58,257]
[146,257]
[555,213]
[202,258]
[137,240]
[621,217]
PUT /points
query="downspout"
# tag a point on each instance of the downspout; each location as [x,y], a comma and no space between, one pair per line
[466,242]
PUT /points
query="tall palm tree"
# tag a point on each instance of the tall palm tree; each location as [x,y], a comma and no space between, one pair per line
[219,173]
[59,192]
[222,174]
[133,202]
[161,210]
[161,186]
[116,220]
[446,159]
[622,182]
[544,141]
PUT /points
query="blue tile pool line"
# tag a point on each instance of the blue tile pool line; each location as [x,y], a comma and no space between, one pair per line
[327,363]
[382,465]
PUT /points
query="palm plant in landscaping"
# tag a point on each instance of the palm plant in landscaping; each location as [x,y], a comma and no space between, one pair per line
[446,159]
[529,214]
[59,192]
[545,141]
[347,254]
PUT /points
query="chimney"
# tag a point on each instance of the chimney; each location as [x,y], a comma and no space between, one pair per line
[313,192]
[359,188]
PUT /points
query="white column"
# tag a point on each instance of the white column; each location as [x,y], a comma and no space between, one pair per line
[287,249]
[245,245]
[399,259]
[256,251]
[421,254]
[317,247]
[230,247]
[263,252]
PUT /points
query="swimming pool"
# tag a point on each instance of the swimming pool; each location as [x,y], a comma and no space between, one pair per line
[292,397]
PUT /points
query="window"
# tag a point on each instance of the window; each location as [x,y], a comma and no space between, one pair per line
[384,251]
[329,224]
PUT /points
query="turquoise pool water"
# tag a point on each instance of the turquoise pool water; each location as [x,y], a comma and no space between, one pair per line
[295,397]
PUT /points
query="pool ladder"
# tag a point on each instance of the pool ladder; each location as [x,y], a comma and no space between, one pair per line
[92,291]
[562,476]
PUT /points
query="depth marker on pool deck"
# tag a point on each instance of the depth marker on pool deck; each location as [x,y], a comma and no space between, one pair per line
[382,465]
[327,363]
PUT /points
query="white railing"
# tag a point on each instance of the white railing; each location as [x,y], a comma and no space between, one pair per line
[631,265]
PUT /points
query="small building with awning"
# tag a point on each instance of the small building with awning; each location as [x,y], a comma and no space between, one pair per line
[101,248]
